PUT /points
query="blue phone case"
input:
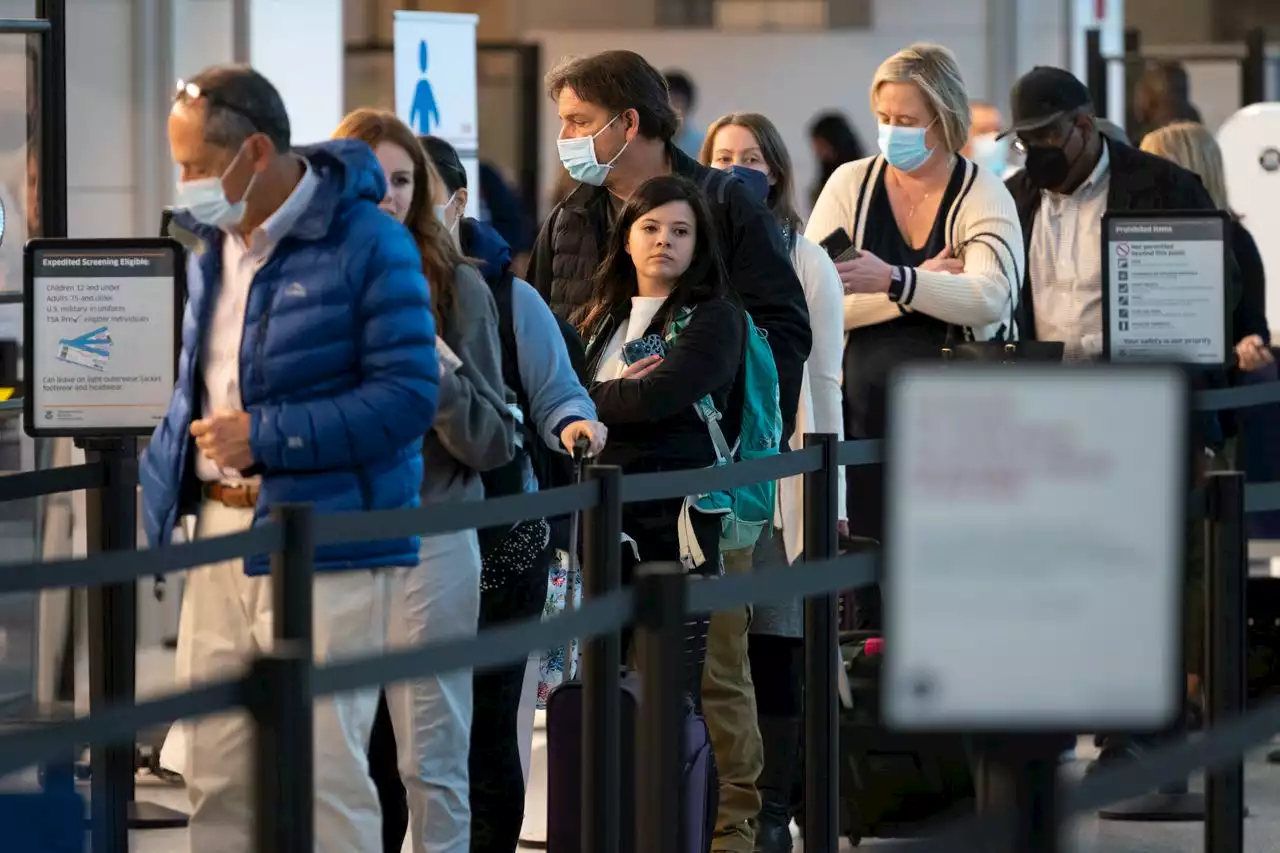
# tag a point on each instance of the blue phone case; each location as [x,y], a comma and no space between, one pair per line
[633,351]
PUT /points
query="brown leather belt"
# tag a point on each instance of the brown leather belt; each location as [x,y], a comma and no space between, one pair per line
[235,497]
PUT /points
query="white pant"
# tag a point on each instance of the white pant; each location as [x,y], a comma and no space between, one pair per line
[226,620]
[437,599]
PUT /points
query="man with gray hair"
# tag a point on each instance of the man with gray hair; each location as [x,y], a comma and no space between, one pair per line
[308,374]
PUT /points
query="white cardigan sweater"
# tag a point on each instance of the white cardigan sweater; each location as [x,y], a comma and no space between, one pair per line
[982,298]
[821,408]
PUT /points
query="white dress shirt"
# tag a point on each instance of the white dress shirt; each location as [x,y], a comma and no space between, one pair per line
[1066,264]
[240,263]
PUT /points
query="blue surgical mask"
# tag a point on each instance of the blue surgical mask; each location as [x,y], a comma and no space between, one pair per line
[578,155]
[991,153]
[904,147]
[757,182]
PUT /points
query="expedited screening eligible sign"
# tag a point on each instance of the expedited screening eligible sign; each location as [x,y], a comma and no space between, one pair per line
[1164,287]
[102,326]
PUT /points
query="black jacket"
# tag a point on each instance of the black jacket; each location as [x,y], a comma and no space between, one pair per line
[574,237]
[1139,182]
[652,423]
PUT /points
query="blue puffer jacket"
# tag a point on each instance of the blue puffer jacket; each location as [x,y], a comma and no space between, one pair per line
[338,366]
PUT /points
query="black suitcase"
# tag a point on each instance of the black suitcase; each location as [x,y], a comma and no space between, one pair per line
[893,785]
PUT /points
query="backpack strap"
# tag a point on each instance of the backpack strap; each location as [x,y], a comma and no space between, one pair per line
[705,407]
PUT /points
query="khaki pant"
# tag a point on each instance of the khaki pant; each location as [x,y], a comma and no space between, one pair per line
[226,620]
[729,705]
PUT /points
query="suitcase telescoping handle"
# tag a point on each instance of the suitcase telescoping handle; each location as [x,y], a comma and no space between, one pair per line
[573,569]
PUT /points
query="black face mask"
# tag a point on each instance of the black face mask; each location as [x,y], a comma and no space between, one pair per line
[1047,167]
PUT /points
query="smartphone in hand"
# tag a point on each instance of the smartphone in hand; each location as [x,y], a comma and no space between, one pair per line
[633,351]
[839,246]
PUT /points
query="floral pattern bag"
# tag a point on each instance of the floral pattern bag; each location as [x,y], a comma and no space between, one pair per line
[554,670]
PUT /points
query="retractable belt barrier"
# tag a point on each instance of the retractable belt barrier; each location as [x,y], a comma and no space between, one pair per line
[284,680]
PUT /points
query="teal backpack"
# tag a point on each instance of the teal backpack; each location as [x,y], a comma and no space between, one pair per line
[746,510]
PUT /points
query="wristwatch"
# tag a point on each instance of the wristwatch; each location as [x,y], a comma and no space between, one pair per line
[897,284]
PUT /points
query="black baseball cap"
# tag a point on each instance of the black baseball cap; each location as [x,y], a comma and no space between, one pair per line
[446,161]
[1044,95]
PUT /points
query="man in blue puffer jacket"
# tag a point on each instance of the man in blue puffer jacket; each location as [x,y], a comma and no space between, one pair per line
[308,373]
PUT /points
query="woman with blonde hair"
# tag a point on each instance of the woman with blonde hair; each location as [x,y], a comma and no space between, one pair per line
[423,730]
[939,252]
[751,146]
[1191,146]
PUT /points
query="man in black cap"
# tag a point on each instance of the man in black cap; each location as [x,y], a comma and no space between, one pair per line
[1074,174]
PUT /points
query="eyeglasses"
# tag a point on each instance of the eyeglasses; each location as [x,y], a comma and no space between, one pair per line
[191,92]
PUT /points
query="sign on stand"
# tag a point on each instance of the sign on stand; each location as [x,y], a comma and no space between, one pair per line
[101,335]
[1164,288]
[1035,535]
[436,84]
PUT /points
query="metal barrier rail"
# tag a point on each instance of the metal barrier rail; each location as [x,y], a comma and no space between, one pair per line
[284,681]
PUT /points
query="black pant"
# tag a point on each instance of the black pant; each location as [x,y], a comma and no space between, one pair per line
[497,776]
[385,771]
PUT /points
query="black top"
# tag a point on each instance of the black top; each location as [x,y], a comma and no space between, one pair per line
[873,351]
[652,423]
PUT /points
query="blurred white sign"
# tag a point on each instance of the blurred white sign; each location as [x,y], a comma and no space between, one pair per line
[1034,544]
[435,74]
[1250,142]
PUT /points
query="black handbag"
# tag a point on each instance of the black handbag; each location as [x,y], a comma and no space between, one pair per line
[1005,352]
[1003,349]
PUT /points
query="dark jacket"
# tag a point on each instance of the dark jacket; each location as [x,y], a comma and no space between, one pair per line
[573,240]
[338,366]
[652,423]
[1250,317]
[1139,182]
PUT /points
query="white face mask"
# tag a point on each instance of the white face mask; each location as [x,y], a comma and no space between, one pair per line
[442,214]
[578,155]
[206,200]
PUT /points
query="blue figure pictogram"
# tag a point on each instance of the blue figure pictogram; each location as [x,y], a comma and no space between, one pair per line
[424,110]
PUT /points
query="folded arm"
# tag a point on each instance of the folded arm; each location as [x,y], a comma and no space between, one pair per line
[703,359]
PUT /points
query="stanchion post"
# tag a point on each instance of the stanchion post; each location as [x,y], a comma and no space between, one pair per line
[280,697]
[1095,65]
[660,748]
[1253,68]
[111,524]
[1226,576]
[601,803]
[821,657]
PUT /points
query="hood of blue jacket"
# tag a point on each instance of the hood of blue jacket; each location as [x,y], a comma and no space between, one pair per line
[481,242]
[347,170]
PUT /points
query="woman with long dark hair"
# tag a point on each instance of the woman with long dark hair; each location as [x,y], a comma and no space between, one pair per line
[663,271]
[421,738]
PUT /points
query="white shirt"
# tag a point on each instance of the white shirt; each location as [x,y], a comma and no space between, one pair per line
[240,263]
[643,310]
[1066,264]
[820,407]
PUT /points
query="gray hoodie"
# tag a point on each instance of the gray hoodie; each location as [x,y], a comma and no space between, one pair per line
[474,430]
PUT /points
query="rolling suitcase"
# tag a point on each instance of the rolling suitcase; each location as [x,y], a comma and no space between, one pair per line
[893,785]
[699,784]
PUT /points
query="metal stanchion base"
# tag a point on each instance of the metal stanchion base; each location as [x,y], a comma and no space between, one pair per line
[1158,807]
[144,815]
